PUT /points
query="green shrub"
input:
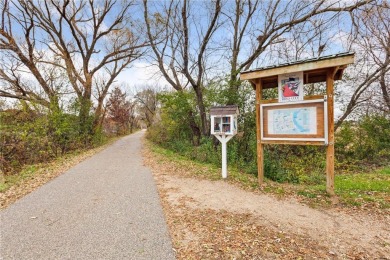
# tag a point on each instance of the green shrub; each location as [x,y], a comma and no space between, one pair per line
[366,141]
[30,137]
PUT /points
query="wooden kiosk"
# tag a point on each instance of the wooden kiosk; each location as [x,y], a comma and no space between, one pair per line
[294,118]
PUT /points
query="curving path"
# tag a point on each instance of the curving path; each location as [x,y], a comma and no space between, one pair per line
[106,207]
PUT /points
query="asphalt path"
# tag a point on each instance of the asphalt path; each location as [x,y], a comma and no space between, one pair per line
[106,207]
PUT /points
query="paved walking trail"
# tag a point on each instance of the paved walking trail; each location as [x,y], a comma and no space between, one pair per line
[107,207]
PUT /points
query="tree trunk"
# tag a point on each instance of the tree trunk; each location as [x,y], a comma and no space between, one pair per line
[202,111]
[99,116]
[86,126]
[385,93]
[196,133]
[84,119]
[234,84]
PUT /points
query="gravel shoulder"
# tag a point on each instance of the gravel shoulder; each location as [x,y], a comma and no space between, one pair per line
[216,219]
[106,207]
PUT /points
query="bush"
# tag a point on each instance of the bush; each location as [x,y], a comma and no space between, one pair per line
[63,131]
[24,139]
[366,141]
[30,137]
[295,164]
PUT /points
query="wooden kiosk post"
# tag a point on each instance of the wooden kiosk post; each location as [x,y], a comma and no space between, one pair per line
[294,118]
[330,148]
[260,148]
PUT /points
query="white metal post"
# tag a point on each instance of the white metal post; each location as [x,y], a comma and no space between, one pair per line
[224,160]
[224,139]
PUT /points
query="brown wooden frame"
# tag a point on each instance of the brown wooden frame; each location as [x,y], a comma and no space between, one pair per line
[321,131]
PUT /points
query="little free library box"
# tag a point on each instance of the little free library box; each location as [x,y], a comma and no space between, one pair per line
[224,120]
[294,118]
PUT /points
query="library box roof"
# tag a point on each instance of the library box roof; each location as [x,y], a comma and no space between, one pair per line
[224,110]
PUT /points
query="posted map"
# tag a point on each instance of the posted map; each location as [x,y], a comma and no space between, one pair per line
[292,121]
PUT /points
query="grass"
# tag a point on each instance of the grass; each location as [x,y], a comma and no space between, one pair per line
[27,173]
[30,172]
[60,164]
[368,190]
[34,171]
[360,189]
[204,170]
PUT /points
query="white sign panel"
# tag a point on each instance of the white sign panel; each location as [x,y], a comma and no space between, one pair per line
[293,121]
[290,87]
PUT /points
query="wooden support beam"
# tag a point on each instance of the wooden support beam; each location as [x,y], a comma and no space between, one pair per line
[304,66]
[260,146]
[330,147]
[269,101]
[319,143]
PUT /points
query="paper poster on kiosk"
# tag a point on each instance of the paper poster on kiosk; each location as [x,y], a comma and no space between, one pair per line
[290,87]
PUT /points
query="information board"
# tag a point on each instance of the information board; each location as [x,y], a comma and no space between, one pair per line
[298,121]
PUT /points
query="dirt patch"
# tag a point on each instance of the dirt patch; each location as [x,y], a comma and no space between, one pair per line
[216,219]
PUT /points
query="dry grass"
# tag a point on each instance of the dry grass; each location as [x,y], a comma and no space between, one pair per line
[34,176]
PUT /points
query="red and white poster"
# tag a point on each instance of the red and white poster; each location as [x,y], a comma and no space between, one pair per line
[290,87]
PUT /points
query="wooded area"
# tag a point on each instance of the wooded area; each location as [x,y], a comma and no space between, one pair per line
[60,61]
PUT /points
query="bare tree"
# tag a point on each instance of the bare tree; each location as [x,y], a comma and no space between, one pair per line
[371,41]
[366,83]
[257,25]
[246,30]
[24,56]
[173,46]
[81,38]
[147,105]
[313,38]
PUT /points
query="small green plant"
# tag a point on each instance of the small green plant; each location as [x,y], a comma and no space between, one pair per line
[307,194]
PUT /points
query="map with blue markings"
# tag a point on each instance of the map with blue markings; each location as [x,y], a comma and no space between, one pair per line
[292,121]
